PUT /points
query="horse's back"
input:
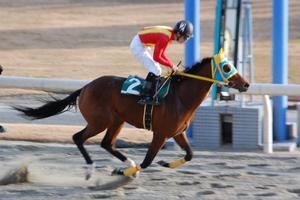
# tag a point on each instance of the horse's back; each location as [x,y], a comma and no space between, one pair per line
[101,90]
[107,82]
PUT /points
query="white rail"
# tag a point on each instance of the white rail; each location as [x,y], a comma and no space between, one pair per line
[45,84]
[271,89]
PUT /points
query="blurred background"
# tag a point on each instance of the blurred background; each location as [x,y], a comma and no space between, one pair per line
[85,39]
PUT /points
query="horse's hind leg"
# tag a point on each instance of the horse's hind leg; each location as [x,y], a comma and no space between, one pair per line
[79,138]
[155,146]
[109,141]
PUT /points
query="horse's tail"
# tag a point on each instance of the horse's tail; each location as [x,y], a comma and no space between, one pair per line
[51,108]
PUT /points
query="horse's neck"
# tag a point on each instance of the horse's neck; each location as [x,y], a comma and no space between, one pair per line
[192,92]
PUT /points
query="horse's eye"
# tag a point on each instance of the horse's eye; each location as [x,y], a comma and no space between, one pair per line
[226,68]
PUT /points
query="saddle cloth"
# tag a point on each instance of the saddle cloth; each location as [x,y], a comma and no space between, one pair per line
[134,85]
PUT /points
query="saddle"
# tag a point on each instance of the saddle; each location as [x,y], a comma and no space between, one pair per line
[134,85]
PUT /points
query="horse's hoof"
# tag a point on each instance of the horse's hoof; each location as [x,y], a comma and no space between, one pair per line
[163,163]
[117,171]
[89,170]
[136,175]
[88,176]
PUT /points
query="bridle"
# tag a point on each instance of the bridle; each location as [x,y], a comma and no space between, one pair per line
[219,76]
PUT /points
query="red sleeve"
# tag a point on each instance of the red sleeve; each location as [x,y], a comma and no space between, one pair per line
[159,53]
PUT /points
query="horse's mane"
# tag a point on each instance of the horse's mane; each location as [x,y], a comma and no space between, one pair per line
[191,70]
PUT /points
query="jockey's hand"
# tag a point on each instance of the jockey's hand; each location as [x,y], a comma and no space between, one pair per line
[174,68]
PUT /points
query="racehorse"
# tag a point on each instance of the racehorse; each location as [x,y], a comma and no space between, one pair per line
[105,108]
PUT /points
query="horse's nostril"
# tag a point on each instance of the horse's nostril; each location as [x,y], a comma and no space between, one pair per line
[246,85]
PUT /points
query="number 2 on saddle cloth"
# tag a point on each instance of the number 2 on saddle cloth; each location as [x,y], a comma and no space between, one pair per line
[133,85]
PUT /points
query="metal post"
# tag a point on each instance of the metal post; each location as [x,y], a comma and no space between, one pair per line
[245,31]
[192,50]
[217,44]
[250,43]
[268,131]
[280,65]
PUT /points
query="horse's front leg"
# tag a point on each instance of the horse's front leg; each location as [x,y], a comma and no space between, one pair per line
[182,141]
[155,146]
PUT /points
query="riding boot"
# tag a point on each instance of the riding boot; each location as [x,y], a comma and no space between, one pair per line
[149,90]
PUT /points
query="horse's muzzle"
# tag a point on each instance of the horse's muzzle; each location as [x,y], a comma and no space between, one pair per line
[244,87]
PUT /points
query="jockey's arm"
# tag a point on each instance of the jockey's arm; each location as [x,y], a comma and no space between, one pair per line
[159,54]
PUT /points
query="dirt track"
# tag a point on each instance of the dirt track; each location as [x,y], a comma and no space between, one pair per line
[56,172]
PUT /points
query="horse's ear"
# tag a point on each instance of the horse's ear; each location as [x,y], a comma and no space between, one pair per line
[218,57]
[221,52]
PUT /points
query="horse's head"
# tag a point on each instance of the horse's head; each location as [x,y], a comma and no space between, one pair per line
[223,70]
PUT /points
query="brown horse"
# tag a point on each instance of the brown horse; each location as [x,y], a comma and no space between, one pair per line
[104,108]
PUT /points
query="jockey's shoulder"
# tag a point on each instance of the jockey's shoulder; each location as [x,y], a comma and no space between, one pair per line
[158,27]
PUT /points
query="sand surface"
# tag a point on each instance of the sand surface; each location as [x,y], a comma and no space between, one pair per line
[56,171]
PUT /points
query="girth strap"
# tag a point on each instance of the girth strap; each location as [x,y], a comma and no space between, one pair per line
[147,117]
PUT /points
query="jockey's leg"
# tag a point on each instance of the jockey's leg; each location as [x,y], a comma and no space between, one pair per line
[150,89]
[182,141]
[144,56]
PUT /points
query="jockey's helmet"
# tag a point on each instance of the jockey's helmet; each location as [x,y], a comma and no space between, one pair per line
[184,28]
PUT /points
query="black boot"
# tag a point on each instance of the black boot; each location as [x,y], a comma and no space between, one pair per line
[149,90]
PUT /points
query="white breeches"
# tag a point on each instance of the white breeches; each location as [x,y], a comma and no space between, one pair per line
[144,56]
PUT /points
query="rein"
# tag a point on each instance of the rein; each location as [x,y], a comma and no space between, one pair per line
[202,78]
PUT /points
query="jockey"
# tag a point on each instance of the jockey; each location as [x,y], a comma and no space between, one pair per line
[157,37]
